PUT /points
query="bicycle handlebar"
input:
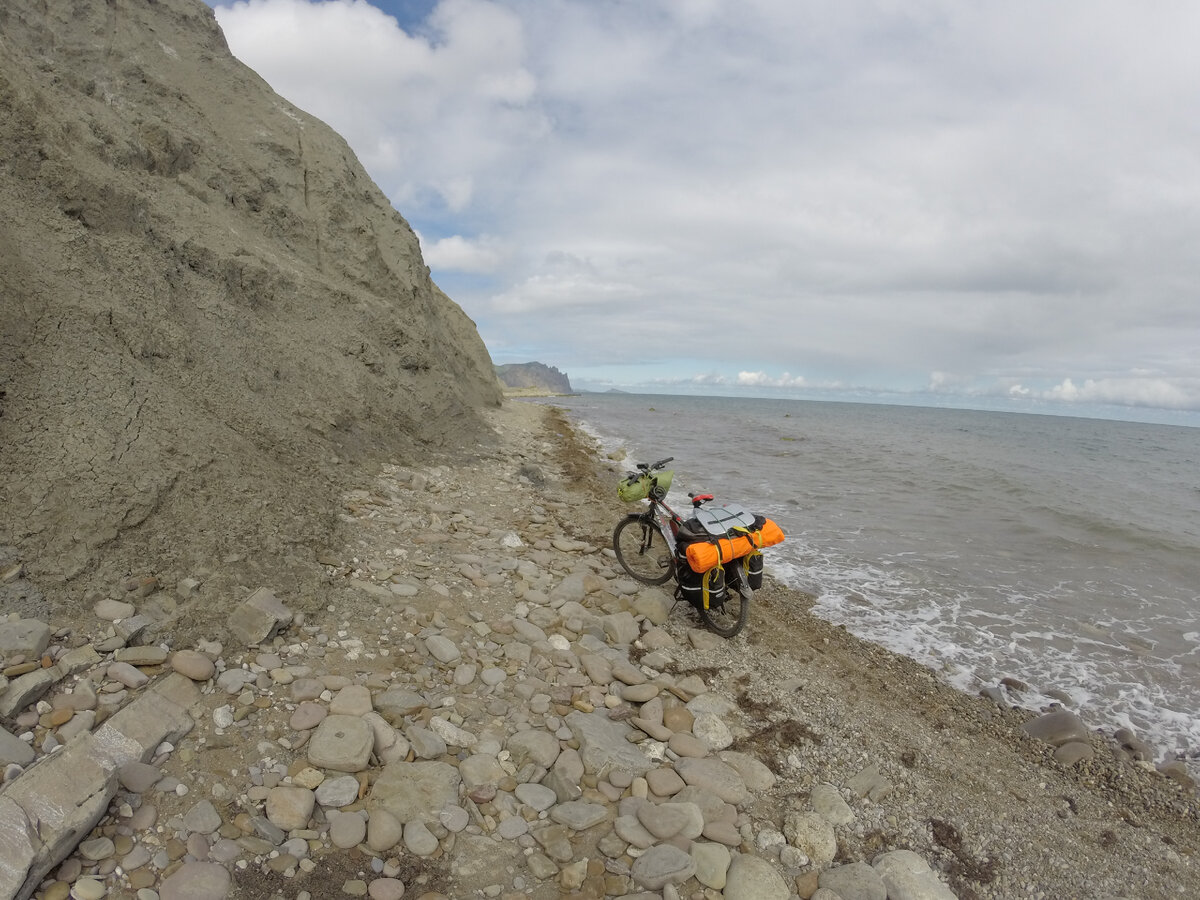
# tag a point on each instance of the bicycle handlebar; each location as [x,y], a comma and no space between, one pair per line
[650,467]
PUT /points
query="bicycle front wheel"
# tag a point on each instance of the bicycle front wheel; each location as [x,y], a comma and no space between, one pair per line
[642,550]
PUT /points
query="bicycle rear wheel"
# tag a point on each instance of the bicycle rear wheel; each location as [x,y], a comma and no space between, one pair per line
[642,550]
[728,617]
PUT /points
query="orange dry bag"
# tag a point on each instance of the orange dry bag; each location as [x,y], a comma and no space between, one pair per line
[703,555]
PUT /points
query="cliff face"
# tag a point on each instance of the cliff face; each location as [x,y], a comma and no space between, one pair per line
[533,376]
[208,307]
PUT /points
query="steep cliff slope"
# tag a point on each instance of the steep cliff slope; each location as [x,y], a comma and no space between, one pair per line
[209,310]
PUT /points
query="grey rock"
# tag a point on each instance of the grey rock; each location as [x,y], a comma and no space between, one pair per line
[411,790]
[14,750]
[535,746]
[630,829]
[259,618]
[1073,752]
[289,807]
[397,702]
[579,815]
[755,774]
[26,637]
[753,878]
[196,881]
[425,744]
[621,628]
[334,793]
[812,835]
[712,864]
[827,802]
[480,769]
[1057,728]
[384,831]
[871,784]
[26,689]
[341,743]
[555,840]
[202,818]
[906,875]
[855,881]
[666,820]
[348,830]
[603,745]
[663,865]
[418,839]
[141,656]
[537,796]
[442,648]
[709,728]
[714,776]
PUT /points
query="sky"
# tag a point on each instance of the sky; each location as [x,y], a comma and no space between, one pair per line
[991,203]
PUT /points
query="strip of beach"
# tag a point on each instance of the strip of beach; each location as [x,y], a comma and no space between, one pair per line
[471,699]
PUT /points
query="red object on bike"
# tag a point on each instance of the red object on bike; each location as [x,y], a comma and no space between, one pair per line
[700,498]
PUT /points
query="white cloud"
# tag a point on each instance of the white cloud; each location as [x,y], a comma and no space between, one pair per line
[459,254]
[870,192]
[762,379]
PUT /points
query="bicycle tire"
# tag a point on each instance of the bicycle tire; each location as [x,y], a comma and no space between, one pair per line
[642,550]
[720,618]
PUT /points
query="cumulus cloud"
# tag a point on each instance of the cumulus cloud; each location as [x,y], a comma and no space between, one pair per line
[458,254]
[762,379]
[865,193]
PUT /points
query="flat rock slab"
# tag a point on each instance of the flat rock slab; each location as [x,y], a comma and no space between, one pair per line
[603,745]
[415,790]
[579,814]
[666,864]
[27,637]
[342,743]
[259,618]
[714,776]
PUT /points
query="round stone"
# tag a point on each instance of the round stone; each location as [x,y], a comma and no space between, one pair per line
[290,807]
[419,840]
[97,849]
[385,889]
[307,715]
[347,830]
[88,889]
[384,831]
[193,664]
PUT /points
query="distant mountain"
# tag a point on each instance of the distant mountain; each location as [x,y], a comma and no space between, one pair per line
[533,377]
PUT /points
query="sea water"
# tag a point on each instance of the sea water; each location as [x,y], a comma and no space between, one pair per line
[1064,552]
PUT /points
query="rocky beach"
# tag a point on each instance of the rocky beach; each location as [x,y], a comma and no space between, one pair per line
[467,698]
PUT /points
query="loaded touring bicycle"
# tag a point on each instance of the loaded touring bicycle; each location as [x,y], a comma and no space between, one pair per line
[714,556]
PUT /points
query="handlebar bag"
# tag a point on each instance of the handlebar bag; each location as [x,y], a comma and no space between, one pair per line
[639,485]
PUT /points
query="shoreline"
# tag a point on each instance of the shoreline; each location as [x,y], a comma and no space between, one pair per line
[1151,731]
[476,622]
